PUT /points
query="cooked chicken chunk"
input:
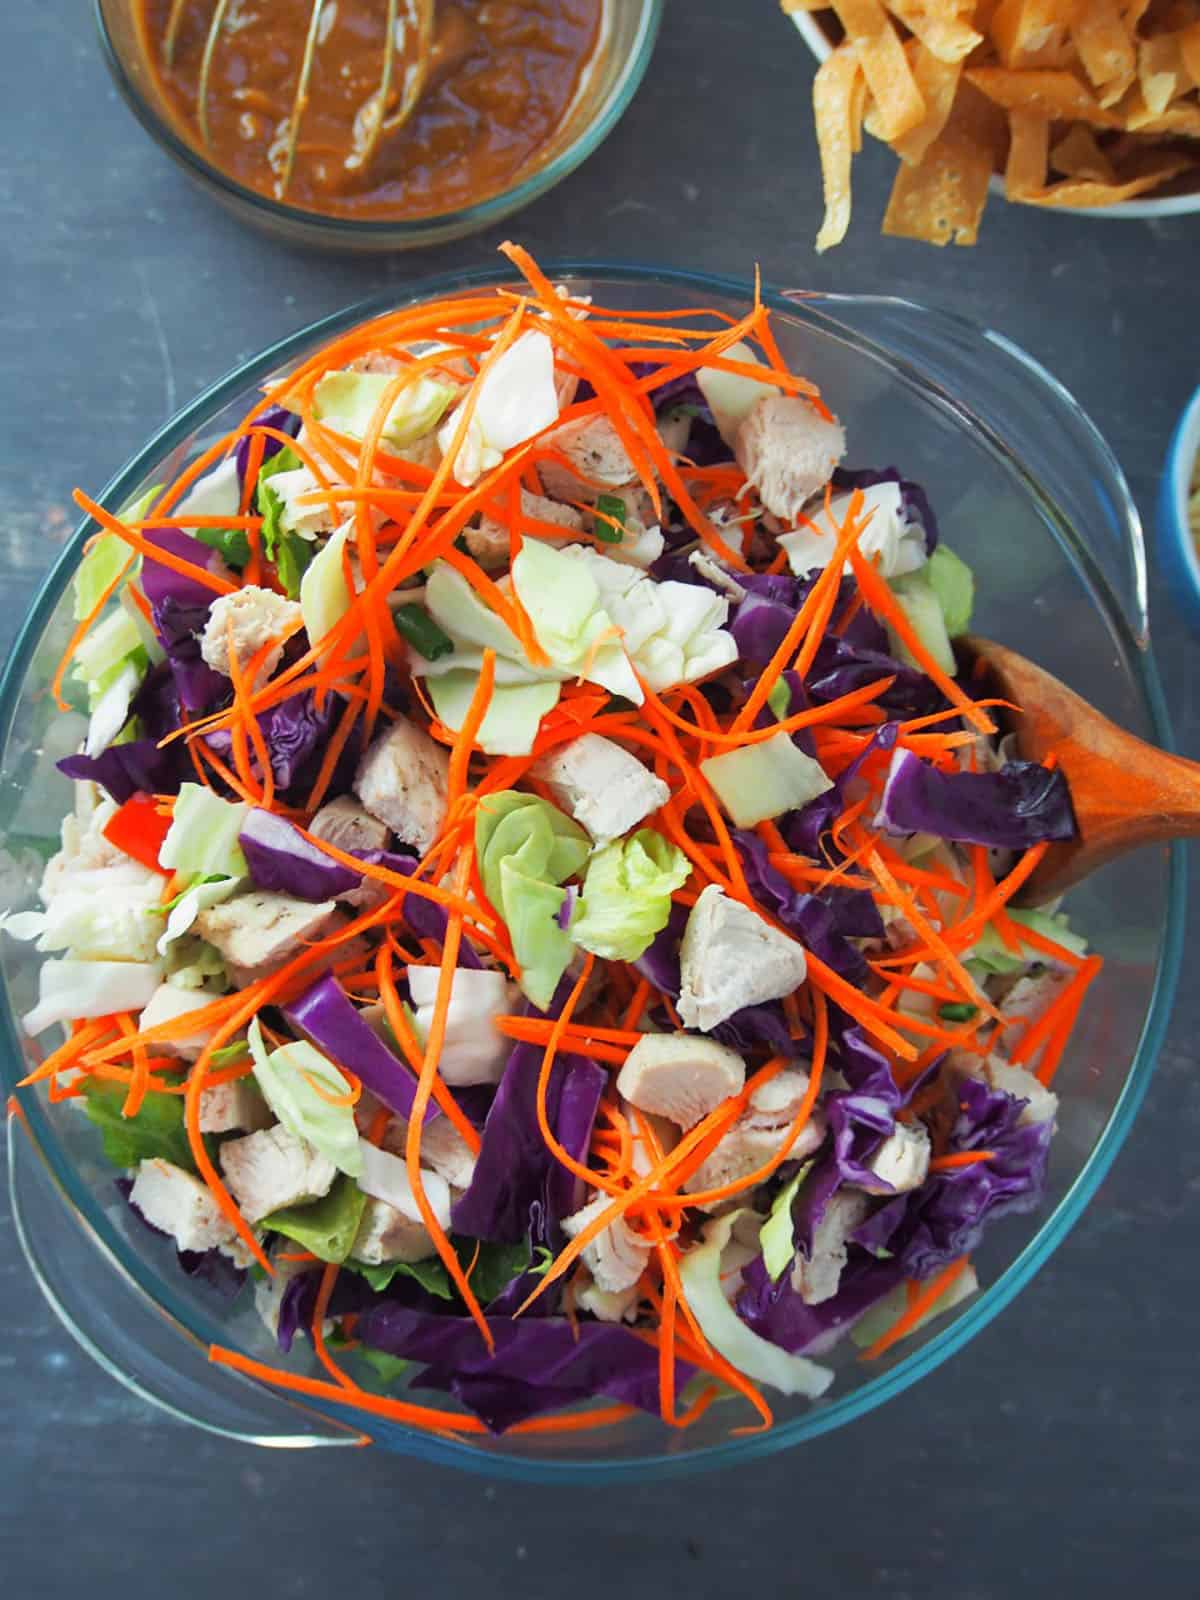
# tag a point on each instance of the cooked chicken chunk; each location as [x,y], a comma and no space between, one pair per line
[253,617]
[402,781]
[788,452]
[270,1170]
[730,958]
[679,1076]
[606,789]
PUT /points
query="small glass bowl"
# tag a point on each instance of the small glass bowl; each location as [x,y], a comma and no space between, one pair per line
[627,43]
[1028,493]
[1176,541]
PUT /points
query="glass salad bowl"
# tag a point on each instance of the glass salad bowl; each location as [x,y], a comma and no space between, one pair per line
[1027,491]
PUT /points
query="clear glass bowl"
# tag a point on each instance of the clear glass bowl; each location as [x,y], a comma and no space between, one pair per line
[1029,493]
[630,29]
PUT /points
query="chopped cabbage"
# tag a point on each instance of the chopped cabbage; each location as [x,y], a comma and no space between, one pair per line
[298,1082]
[347,401]
[202,841]
[627,893]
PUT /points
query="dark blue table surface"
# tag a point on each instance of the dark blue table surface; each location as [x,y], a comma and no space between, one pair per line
[1060,1454]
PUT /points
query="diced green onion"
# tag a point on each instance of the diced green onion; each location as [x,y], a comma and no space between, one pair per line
[423,633]
[957,1012]
[610,518]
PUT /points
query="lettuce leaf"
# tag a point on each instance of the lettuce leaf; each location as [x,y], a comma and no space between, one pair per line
[327,1227]
[157,1132]
[627,895]
[526,848]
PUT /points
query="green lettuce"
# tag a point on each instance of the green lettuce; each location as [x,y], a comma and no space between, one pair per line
[157,1132]
[327,1227]
[526,848]
[627,893]
[290,553]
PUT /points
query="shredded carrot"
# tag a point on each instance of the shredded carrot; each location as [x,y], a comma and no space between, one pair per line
[918,1306]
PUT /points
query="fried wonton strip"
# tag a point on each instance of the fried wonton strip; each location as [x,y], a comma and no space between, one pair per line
[1077,155]
[1106,48]
[836,103]
[1079,192]
[942,200]
[1028,154]
[938,82]
[897,99]
[1059,95]
[945,33]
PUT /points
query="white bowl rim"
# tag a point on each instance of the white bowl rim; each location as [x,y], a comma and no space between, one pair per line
[1170,205]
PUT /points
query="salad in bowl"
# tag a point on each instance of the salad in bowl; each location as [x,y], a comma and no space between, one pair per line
[539,917]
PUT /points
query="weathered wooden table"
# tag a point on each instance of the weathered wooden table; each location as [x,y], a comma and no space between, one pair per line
[1059,1454]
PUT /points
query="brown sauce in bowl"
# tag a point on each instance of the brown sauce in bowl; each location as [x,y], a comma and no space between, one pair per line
[502,78]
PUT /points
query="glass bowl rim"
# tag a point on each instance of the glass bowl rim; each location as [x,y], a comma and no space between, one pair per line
[465,219]
[1053,1228]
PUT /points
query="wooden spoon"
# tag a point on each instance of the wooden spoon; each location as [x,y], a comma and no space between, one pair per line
[1125,792]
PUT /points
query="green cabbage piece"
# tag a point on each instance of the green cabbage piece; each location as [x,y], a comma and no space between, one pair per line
[324,593]
[992,955]
[513,716]
[563,601]
[764,780]
[526,848]
[106,556]
[953,583]
[283,1076]
[777,1234]
[627,893]
[700,1272]
[202,841]
[923,609]
[327,1227]
[348,401]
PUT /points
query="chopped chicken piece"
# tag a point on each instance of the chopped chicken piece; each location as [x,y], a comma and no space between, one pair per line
[347,825]
[597,461]
[179,1204]
[604,1304]
[166,1004]
[270,1170]
[473,1050]
[236,1107]
[489,542]
[606,789]
[256,617]
[730,958]
[616,1257]
[258,931]
[402,780]
[679,1076]
[815,1278]
[385,1234]
[1016,1081]
[788,452]
[902,1160]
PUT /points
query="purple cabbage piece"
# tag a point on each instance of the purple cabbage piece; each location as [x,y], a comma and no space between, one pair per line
[704,446]
[538,1364]
[179,609]
[946,1216]
[127,769]
[329,1020]
[350,1293]
[210,1266]
[922,1231]
[804,830]
[426,918]
[273,417]
[914,502]
[776,1311]
[515,1172]
[659,961]
[1018,806]
[282,860]
[813,919]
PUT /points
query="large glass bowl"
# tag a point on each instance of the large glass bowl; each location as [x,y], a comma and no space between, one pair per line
[1028,492]
[630,28]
